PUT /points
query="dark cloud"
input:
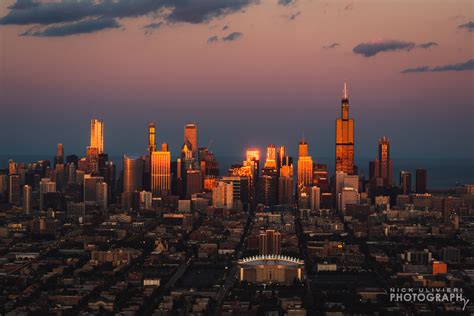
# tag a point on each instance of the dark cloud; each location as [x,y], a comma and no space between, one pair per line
[81,27]
[286,2]
[149,28]
[417,69]
[232,37]
[468,26]
[226,27]
[199,11]
[294,15]
[427,45]
[212,39]
[468,65]
[23,4]
[333,45]
[373,48]
[27,12]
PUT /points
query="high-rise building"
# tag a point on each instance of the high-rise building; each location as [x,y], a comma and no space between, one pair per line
[14,189]
[191,136]
[71,173]
[405,182]
[383,163]
[146,200]
[315,198]
[343,180]
[347,196]
[269,242]
[267,187]
[161,172]
[305,166]
[102,195]
[46,186]
[222,195]
[59,157]
[151,138]
[345,137]
[27,199]
[420,181]
[132,173]
[271,157]
[194,182]
[97,135]
[90,189]
[285,184]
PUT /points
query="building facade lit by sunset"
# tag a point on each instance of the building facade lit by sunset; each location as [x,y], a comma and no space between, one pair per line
[305,166]
[191,136]
[97,135]
[345,137]
[161,172]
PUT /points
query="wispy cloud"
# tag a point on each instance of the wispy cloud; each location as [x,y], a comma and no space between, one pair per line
[333,45]
[370,49]
[226,27]
[149,28]
[468,26]
[286,2]
[232,37]
[294,15]
[468,65]
[213,39]
[349,6]
[52,14]
[427,45]
[81,27]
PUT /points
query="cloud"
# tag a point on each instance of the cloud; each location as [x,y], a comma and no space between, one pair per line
[232,37]
[468,65]
[225,27]
[81,27]
[427,45]
[149,28]
[373,48]
[286,2]
[349,6]
[294,15]
[28,12]
[198,11]
[333,45]
[212,39]
[468,26]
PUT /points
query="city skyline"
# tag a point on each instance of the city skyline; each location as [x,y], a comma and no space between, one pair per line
[272,84]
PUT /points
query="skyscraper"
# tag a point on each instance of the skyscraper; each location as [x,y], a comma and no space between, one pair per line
[132,173]
[305,166]
[269,242]
[46,186]
[315,198]
[222,194]
[59,157]
[345,137]
[383,163]
[27,199]
[97,135]
[161,172]
[191,136]
[405,182]
[271,157]
[14,189]
[420,181]
[151,138]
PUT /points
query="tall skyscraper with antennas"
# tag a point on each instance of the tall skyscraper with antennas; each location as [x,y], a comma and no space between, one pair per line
[97,135]
[345,137]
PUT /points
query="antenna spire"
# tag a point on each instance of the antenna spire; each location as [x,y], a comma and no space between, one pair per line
[345,92]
